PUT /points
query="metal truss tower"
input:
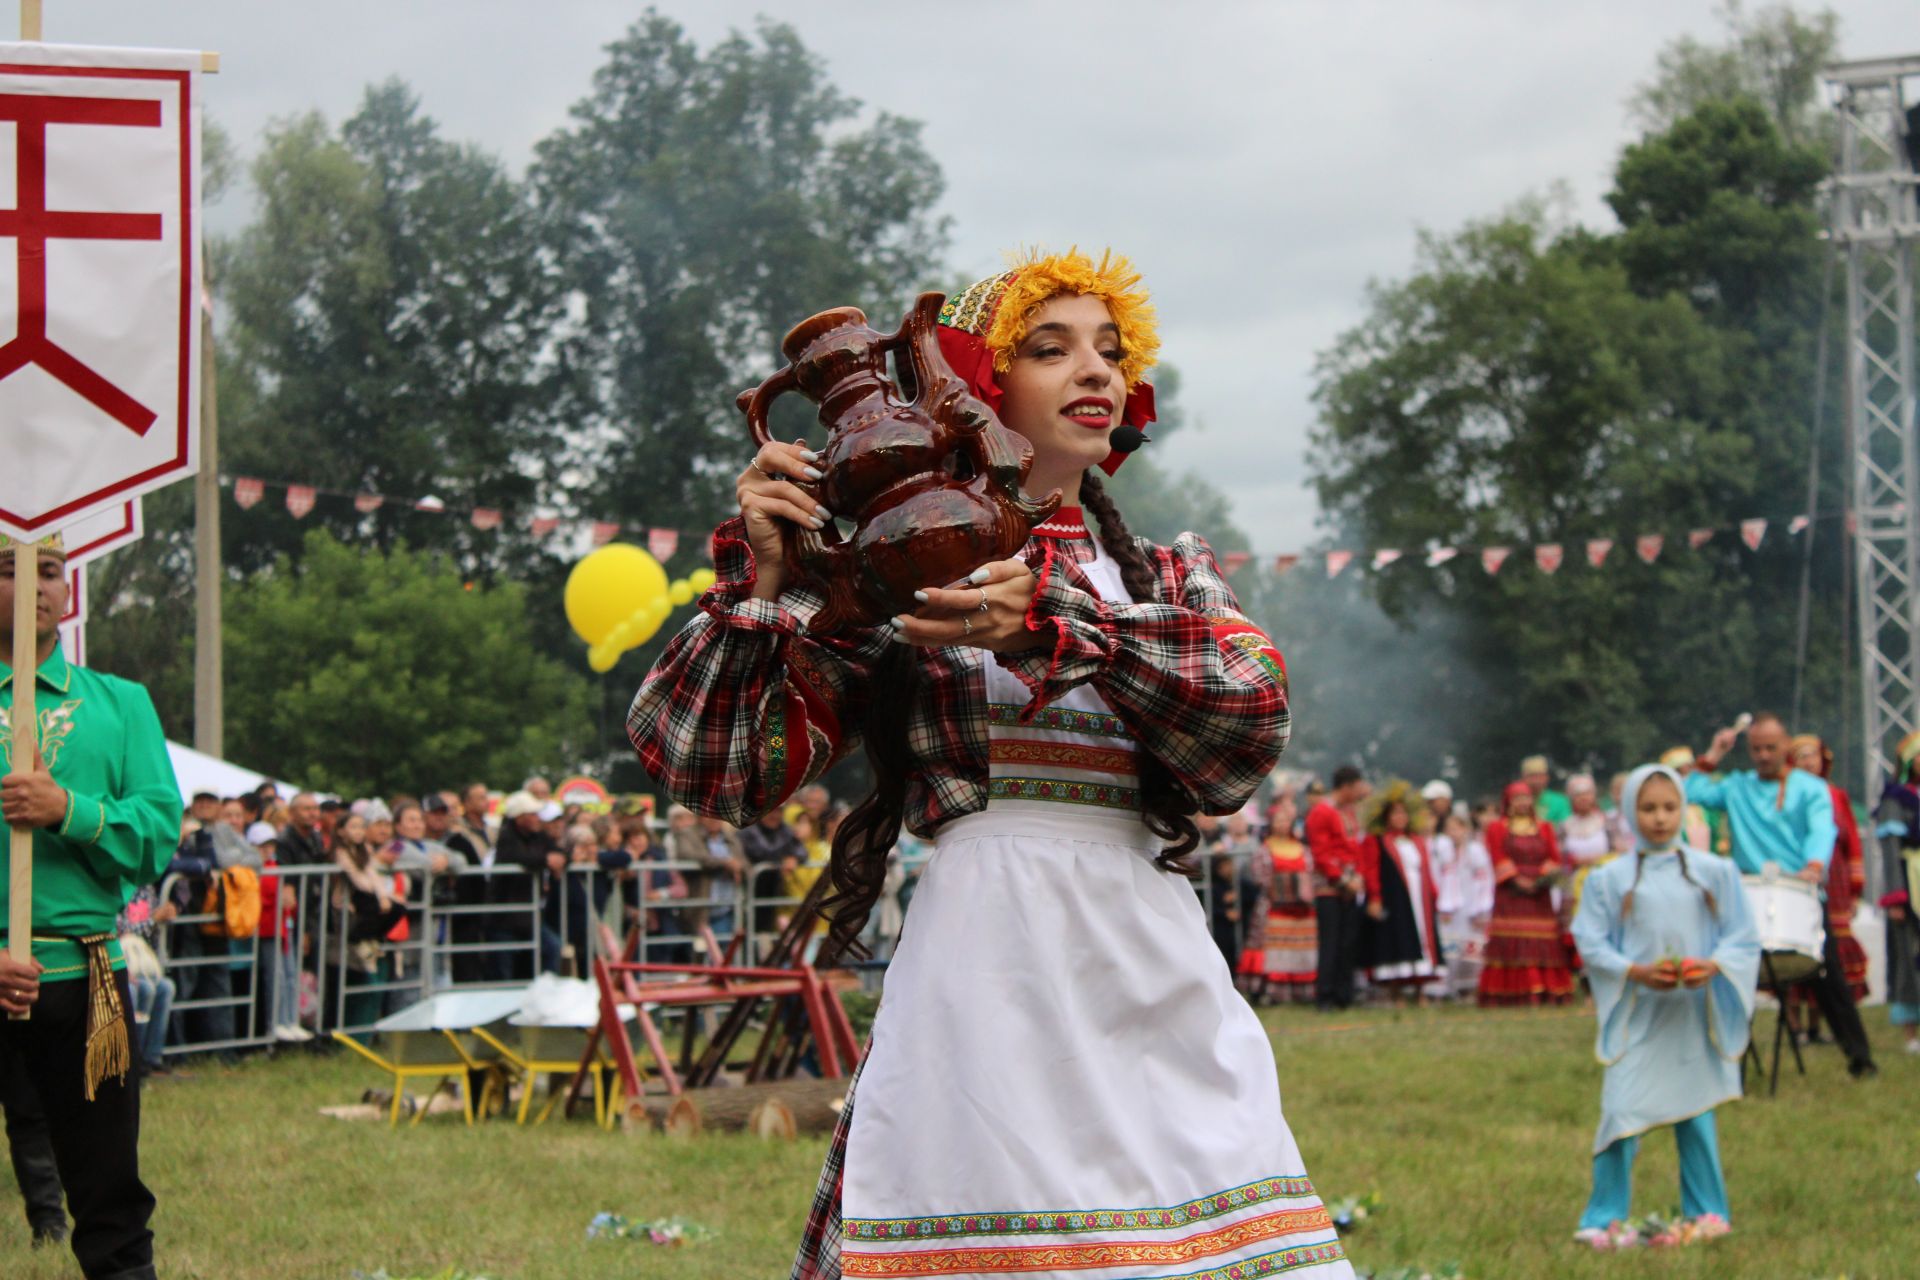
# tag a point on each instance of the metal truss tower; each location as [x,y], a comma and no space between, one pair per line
[1876,223]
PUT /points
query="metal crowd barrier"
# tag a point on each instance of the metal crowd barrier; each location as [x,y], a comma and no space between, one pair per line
[469,929]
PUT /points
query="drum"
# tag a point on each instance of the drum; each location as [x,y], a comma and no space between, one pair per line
[1792,924]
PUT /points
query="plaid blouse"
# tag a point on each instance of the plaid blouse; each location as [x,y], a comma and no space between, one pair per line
[747,705]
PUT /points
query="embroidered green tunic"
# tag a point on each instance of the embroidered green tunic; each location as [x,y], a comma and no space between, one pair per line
[102,742]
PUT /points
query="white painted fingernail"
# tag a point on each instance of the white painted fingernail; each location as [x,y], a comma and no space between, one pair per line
[816,522]
[979,575]
[897,623]
[921,596]
[811,473]
[810,455]
[823,513]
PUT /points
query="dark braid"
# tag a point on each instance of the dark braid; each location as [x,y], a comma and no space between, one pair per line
[1167,809]
[857,866]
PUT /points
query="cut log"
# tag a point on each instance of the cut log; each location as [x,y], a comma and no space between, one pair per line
[683,1119]
[810,1106]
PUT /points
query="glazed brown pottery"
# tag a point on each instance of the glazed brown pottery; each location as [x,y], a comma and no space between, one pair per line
[930,480]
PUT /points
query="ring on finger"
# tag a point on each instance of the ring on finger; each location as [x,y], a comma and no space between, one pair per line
[966,622]
[755,464]
[983,600]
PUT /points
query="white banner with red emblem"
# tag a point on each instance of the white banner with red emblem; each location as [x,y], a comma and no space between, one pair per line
[100,291]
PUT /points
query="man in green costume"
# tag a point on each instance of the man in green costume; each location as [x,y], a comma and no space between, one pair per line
[104,809]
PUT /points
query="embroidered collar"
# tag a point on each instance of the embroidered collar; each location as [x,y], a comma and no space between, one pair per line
[55,673]
[1064,523]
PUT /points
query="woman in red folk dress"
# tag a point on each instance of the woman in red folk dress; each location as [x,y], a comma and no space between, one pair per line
[1846,871]
[1062,1081]
[1288,960]
[1526,958]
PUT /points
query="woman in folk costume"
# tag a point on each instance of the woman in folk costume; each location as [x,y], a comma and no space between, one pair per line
[1400,939]
[1526,958]
[1585,843]
[1062,1080]
[1672,953]
[1289,957]
[1846,870]
[1899,832]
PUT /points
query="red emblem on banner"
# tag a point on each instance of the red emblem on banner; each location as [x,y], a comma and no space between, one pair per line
[1648,545]
[1491,558]
[367,503]
[1336,561]
[247,491]
[661,543]
[1598,550]
[1699,538]
[605,531]
[486,517]
[1548,556]
[299,499]
[1753,532]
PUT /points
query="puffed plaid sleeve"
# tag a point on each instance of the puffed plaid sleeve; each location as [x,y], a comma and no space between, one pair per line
[1202,687]
[746,705]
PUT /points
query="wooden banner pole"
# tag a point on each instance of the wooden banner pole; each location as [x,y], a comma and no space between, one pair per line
[26,661]
[29,19]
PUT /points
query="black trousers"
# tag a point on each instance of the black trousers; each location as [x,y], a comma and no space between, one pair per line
[31,1149]
[96,1145]
[1338,920]
[1836,1006]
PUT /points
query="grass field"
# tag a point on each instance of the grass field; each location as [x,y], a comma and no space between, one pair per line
[1473,1128]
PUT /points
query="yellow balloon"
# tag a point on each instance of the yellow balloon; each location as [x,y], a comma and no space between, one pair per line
[610,586]
[680,592]
[700,579]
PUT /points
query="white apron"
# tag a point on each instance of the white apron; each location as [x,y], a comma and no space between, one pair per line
[1063,1083]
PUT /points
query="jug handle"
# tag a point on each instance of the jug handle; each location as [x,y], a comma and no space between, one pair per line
[756,402]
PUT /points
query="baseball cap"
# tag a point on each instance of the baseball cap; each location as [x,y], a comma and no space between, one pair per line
[262,833]
[1436,790]
[518,803]
[434,803]
[550,810]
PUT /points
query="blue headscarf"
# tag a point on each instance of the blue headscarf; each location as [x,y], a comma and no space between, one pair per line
[1630,805]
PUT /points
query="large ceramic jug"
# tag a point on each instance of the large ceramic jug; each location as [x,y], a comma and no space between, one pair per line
[929,478]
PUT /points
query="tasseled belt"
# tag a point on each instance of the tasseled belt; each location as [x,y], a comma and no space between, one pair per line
[108,1053]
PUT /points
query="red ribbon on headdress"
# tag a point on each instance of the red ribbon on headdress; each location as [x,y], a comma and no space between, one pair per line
[967,355]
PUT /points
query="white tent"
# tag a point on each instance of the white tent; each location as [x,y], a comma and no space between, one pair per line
[196,771]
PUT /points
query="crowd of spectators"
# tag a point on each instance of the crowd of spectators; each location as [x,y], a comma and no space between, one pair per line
[517,884]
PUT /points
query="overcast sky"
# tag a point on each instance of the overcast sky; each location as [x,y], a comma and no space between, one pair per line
[1259,161]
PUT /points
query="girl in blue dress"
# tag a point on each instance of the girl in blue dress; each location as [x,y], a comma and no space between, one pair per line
[1672,955]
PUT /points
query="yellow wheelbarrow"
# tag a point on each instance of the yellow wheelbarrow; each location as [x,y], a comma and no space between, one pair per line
[441,1037]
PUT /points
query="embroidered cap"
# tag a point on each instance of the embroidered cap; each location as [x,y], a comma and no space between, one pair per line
[54,544]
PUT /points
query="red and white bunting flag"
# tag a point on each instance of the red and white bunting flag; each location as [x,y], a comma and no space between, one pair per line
[430,504]
[1234,561]
[1798,524]
[1336,561]
[1598,550]
[247,491]
[543,525]
[1283,565]
[1753,532]
[661,543]
[1491,558]
[1699,538]
[605,531]
[486,517]
[1384,557]
[1440,555]
[367,503]
[1648,545]
[299,499]
[1548,556]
